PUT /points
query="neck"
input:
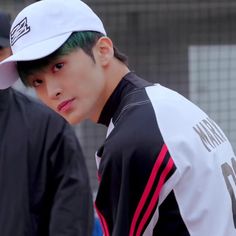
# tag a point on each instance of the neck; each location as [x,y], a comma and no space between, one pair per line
[114,73]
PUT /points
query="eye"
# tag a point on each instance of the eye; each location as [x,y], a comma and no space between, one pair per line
[37,82]
[57,67]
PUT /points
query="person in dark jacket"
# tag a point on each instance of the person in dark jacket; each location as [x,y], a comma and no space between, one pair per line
[165,167]
[44,182]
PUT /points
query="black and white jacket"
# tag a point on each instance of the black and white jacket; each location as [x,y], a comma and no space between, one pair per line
[165,168]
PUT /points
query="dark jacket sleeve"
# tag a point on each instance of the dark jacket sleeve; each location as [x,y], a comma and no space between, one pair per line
[46,174]
[62,199]
[72,208]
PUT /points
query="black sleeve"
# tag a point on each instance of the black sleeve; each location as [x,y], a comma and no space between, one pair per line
[55,188]
[72,210]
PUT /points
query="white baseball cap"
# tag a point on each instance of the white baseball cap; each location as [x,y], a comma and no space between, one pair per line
[41,28]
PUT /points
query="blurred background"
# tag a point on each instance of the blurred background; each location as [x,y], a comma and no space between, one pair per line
[187,45]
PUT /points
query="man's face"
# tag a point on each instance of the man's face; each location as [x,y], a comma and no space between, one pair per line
[72,85]
[4,53]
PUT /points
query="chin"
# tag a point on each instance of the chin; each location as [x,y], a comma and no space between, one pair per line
[73,120]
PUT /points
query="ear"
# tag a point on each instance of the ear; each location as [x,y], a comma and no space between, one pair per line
[104,50]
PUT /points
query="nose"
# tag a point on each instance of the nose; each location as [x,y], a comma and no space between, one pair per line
[54,89]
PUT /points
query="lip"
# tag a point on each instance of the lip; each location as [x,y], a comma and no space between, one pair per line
[65,105]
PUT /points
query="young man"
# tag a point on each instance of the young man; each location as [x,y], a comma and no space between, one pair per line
[165,168]
[44,183]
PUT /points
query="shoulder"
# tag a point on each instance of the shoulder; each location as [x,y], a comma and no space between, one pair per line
[38,118]
[168,101]
[33,108]
[26,102]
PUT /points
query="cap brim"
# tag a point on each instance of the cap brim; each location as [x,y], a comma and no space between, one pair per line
[8,71]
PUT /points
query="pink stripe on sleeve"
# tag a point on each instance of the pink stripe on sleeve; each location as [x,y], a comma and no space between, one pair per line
[103,221]
[148,187]
[155,196]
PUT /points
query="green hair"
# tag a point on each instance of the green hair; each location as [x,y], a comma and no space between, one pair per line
[84,40]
